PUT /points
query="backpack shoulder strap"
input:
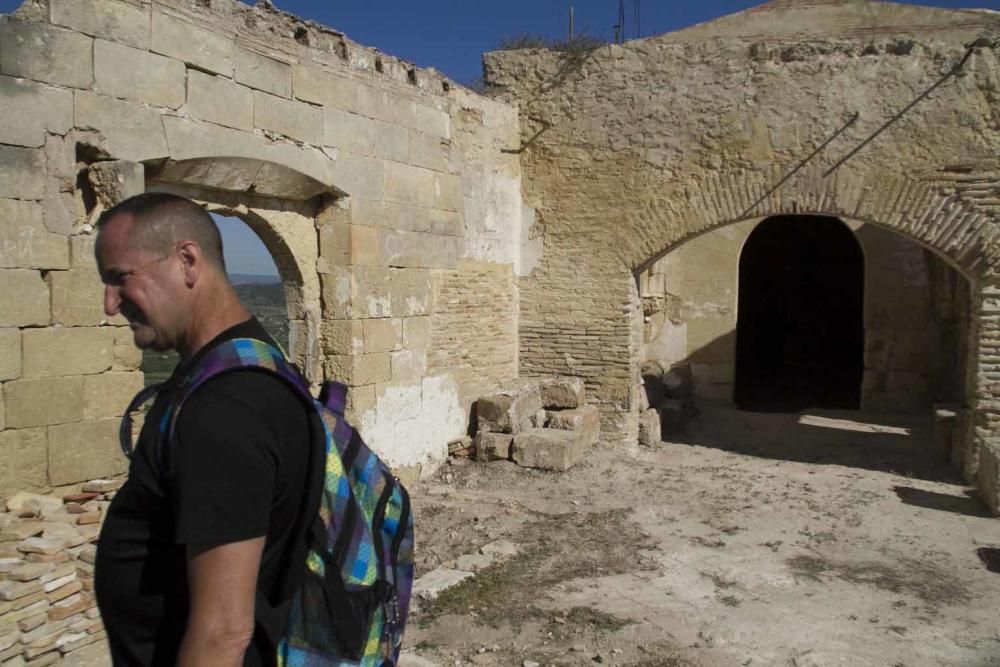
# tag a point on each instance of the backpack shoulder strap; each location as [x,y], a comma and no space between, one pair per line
[237,354]
[333,396]
[232,355]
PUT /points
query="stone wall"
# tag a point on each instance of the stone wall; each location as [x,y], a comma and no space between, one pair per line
[630,151]
[376,185]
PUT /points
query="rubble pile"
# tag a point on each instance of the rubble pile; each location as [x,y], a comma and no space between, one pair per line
[47,554]
[668,401]
[540,423]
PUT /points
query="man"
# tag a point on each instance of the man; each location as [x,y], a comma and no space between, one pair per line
[200,532]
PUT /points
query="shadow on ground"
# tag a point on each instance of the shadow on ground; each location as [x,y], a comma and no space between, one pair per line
[967,503]
[894,443]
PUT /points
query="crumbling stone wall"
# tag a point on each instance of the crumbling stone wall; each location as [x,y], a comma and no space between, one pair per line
[375,185]
[630,151]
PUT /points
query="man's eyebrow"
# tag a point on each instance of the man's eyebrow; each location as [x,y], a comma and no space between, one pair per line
[112,275]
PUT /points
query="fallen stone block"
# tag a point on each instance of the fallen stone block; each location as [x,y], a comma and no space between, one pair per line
[55,584]
[59,572]
[561,392]
[649,428]
[60,557]
[504,412]
[41,545]
[56,530]
[32,622]
[492,446]
[27,606]
[29,571]
[14,590]
[71,606]
[9,564]
[80,497]
[22,531]
[585,420]
[103,485]
[28,502]
[432,584]
[549,449]
[65,591]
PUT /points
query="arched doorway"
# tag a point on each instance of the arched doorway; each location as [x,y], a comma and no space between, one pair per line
[254,275]
[800,335]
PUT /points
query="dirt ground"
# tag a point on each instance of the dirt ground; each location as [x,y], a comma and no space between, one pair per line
[751,539]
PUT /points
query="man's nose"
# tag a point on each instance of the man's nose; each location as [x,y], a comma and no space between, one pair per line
[112,300]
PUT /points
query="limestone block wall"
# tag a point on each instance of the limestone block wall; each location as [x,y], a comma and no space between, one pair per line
[915,315]
[689,300]
[381,189]
[629,151]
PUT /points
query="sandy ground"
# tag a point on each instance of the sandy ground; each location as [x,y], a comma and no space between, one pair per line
[751,539]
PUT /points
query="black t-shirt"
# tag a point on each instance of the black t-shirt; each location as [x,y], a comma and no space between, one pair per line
[235,471]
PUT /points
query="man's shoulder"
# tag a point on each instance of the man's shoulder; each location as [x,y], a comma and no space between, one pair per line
[258,389]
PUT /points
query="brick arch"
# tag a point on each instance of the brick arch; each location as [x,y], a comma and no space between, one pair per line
[917,210]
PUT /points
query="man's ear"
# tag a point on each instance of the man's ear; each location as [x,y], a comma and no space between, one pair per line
[192,261]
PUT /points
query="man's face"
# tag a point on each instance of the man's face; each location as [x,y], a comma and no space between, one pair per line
[145,288]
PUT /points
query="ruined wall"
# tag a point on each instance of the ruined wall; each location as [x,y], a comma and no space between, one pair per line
[376,186]
[629,151]
[915,310]
[698,285]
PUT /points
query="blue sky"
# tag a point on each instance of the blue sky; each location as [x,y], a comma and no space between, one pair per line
[451,35]
[244,251]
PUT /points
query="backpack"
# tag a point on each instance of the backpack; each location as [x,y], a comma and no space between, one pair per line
[346,594]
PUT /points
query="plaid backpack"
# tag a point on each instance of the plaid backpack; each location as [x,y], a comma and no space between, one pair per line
[348,604]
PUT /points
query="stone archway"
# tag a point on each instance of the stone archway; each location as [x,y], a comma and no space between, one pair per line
[919,210]
[248,189]
[600,336]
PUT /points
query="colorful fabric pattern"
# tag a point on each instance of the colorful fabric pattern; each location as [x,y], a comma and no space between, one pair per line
[365,513]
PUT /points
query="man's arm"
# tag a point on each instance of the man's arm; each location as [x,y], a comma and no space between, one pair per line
[222,582]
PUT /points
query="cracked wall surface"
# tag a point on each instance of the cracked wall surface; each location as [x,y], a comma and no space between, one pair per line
[379,188]
[882,114]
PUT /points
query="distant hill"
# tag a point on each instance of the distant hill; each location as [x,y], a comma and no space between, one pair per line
[253,279]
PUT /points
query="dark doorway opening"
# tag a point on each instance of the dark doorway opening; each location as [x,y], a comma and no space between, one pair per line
[799,332]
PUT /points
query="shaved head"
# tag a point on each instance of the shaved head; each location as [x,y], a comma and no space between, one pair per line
[161,220]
